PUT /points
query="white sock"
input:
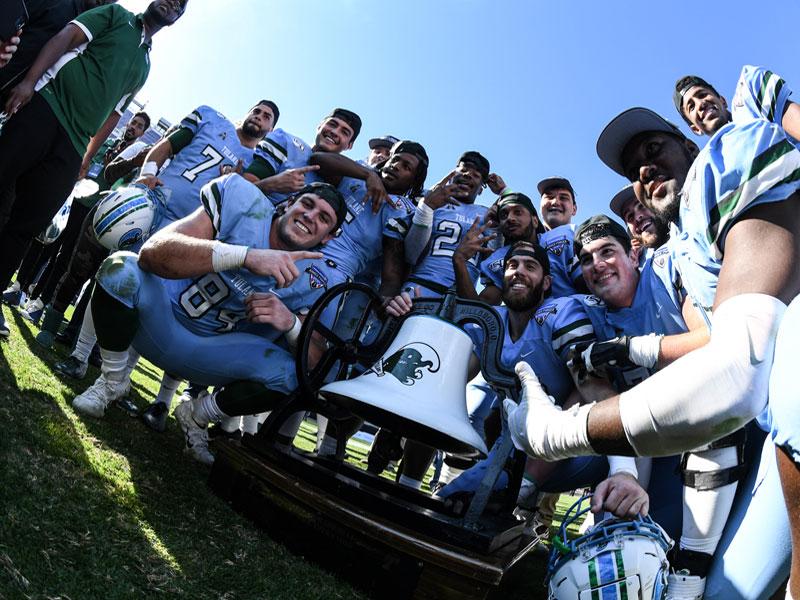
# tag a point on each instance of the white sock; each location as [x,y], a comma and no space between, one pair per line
[114,363]
[205,410]
[14,287]
[250,424]
[87,338]
[410,482]
[169,385]
[788,593]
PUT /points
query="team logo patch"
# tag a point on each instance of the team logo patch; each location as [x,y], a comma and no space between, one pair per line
[592,301]
[496,265]
[557,247]
[129,238]
[660,257]
[223,135]
[408,363]
[543,313]
[316,278]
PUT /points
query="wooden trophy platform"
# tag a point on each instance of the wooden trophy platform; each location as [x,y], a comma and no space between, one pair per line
[388,540]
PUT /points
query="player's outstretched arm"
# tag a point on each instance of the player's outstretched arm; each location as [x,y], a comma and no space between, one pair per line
[332,167]
[71,36]
[156,157]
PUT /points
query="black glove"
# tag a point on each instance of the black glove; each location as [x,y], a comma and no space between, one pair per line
[595,357]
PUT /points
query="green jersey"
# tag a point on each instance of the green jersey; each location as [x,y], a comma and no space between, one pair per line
[100,76]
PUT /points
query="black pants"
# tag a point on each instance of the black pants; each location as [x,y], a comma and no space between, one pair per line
[37,156]
[60,253]
[83,264]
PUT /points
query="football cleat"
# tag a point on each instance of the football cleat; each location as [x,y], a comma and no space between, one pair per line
[13,295]
[33,311]
[617,558]
[155,416]
[195,435]
[682,586]
[98,396]
[71,367]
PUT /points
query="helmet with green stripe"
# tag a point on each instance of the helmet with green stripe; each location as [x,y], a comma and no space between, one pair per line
[616,559]
[124,217]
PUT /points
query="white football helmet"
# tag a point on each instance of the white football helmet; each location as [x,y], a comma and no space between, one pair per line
[615,559]
[124,217]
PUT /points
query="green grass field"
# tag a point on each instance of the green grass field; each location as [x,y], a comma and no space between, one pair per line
[108,509]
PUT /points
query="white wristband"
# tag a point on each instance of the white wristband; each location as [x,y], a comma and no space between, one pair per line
[622,464]
[148,169]
[294,333]
[644,349]
[423,215]
[227,257]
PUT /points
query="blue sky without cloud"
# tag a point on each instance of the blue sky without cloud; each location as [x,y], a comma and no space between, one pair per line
[530,84]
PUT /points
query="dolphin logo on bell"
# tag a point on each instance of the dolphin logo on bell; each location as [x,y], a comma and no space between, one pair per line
[408,363]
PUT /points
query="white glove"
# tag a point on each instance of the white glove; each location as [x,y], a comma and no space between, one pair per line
[540,428]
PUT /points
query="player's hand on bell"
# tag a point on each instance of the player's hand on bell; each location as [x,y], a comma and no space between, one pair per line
[496,183]
[474,242]
[278,264]
[376,191]
[265,307]
[622,496]
[288,182]
[399,305]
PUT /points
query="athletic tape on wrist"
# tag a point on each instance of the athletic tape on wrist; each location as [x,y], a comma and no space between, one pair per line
[227,257]
[294,333]
[148,169]
[644,350]
[423,215]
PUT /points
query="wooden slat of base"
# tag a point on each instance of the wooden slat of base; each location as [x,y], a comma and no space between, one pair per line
[273,498]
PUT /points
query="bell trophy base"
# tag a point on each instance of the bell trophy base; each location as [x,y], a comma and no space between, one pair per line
[390,541]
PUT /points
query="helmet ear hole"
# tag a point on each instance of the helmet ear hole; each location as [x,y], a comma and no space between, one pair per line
[611,555]
[123,219]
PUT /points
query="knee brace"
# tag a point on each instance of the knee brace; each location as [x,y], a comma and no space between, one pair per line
[711,391]
[704,480]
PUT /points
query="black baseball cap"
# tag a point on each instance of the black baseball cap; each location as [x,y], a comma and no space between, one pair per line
[623,128]
[349,117]
[525,248]
[516,198]
[331,195]
[620,199]
[479,160]
[274,108]
[555,182]
[413,148]
[386,141]
[600,226]
[683,85]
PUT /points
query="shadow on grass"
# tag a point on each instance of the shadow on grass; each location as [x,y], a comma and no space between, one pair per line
[106,508]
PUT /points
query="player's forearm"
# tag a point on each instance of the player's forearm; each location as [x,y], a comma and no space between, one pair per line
[121,167]
[71,36]
[675,346]
[394,270]
[173,255]
[100,137]
[336,165]
[465,287]
[159,153]
[791,120]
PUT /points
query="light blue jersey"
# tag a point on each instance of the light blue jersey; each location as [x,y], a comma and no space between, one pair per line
[656,308]
[564,268]
[760,94]
[434,269]
[280,151]
[562,285]
[215,144]
[214,303]
[355,250]
[742,166]
[544,345]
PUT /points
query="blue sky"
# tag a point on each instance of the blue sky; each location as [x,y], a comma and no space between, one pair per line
[530,84]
